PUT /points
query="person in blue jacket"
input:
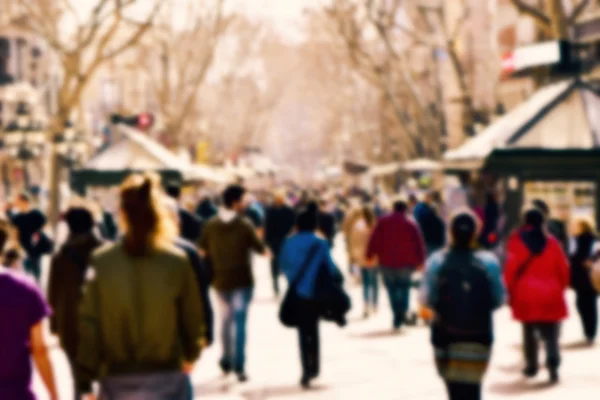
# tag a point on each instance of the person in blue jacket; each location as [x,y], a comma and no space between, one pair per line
[294,258]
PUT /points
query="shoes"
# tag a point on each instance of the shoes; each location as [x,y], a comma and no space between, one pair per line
[242,377]
[225,367]
[366,313]
[305,382]
[591,341]
[530,372]
[554,378]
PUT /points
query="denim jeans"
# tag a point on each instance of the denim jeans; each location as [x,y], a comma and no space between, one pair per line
[234,306]
[158,386]
[398,283]
[33,266]
[370,283]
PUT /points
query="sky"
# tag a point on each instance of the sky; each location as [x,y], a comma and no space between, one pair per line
[285,14]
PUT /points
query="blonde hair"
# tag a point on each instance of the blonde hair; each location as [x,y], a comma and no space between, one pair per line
[586,225]
[144,218]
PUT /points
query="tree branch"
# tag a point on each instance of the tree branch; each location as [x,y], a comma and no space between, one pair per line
[538,15]
[577,11]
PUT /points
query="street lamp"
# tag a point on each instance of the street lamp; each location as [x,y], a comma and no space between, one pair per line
[71,146]
[24,139]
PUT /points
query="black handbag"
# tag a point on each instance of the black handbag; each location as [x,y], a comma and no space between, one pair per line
[288,313]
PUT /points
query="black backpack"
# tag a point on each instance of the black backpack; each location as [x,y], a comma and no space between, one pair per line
[465,303]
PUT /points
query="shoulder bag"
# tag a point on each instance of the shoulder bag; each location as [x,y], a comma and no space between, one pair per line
[289,307]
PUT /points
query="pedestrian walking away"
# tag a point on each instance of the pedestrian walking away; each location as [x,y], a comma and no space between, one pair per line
[360,235]
[67,274]
[583,250]
[397,246]
[308,266]
[463,287]
[537,277]
[149,351]
[30,222]
[279,224]
[22,312]
[228,242]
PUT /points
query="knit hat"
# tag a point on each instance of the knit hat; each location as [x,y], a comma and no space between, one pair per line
[79,220]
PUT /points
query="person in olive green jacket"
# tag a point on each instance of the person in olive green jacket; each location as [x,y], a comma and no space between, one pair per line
[140,319]
[228,241]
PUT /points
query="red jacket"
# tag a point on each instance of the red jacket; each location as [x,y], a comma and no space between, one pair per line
[539,295]
[397,242]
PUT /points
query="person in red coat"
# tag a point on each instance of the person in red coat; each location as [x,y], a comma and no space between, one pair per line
[537,277]
[397,247]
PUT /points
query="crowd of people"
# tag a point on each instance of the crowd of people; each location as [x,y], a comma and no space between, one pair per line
[132,310]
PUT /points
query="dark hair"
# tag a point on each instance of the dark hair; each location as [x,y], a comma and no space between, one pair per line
[400,206]
[174,191]
[79,220]
[308,218]
[534,218]
[24,196]
[147,224]
[463,228]
[542,206]
[233,194]
[412,199]
[369,216]
[11,256]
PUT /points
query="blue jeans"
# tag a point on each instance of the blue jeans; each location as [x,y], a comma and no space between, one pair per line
[158,386]
[234,311]
[370,283]
[398,283]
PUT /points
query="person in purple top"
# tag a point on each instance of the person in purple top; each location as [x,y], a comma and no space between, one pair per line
[22,311]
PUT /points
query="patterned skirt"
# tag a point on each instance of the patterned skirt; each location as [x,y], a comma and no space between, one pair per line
[463,362]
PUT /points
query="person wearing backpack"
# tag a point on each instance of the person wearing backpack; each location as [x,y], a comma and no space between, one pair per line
[463,287]
[537,277]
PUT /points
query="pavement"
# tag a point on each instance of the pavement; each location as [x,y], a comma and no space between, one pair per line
[366,361]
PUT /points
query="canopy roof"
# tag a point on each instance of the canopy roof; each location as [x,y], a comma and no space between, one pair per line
[421,165]
[562,116]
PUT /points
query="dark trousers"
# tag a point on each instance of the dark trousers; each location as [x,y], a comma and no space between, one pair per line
[398,284]
[587,306]
[463,391]
[33,266]
[275,272]
[547,332]
[370,285]
[308,330]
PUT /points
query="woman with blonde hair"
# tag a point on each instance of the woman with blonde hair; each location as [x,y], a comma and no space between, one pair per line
[140,319]
[359,241]
[583,249]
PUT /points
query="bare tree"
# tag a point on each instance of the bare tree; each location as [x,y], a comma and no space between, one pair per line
[178,58]
[553,19]
[105,34]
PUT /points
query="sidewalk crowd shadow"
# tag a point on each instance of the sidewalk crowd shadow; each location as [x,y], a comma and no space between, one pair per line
[519,387]
[215,386]
[376,335]
[279,391]
[577,346]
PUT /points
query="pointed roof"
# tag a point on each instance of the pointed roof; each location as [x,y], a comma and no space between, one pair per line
[561,116]
[137,151]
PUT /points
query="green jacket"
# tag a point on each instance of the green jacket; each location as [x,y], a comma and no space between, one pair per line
[138,315]
[229,247]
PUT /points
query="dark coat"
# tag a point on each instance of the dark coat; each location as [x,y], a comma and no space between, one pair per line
[190,226]
[108,227]
[327,226]
[279,224]
[206,209]
[580,276]
[67,275]
[203,276]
